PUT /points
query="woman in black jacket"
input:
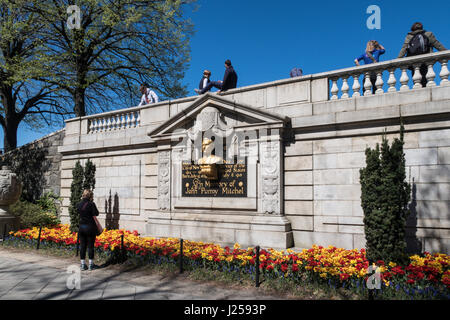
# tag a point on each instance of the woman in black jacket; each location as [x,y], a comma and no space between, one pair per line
[87,228]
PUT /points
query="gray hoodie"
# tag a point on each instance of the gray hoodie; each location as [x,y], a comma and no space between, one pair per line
[433,42]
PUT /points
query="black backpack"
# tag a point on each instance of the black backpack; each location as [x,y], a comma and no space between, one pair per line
[419,44]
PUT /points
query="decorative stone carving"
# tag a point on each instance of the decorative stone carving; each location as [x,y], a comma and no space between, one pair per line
[270,176]
[10,190]
[10,187]
[164,180]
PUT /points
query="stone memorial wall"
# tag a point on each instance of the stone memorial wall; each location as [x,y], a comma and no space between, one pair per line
[274,164]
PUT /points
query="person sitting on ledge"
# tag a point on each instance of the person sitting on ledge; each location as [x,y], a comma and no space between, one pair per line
[419,41]
[229,80]
[148,95]
[205,79]
[372,54]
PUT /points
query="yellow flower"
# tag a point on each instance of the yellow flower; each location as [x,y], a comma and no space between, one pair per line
[392,264]
[323,275]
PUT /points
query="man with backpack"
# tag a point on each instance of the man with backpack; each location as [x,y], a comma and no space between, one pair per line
[417,42]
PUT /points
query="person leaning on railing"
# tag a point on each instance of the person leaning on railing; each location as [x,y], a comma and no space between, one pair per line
[418,41]
[372,54]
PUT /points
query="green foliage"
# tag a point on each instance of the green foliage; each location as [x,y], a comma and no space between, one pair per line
[76,191]
[384,198]
[42,213]
[29,163]
[49,202]
[120,44]
[82,178]
[89,175]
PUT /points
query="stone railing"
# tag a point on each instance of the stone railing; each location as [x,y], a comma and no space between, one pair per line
[119,120]
[391,76]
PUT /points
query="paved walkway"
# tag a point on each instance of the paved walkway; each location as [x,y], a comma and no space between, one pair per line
[31,276]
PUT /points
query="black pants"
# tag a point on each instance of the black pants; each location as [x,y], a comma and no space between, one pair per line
[423,72]
[87,234]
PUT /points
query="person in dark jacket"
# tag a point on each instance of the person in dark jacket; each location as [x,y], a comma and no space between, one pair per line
[229,80]
[87,228]
[417,28]
[205,79]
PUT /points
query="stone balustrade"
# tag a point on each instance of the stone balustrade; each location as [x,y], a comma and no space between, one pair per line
[391,76]
[124,119]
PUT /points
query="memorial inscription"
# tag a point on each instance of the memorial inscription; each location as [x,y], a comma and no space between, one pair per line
[231,182]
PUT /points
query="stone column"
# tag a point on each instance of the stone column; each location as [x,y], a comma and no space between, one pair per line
[271,175]
[164,180]
[10,190]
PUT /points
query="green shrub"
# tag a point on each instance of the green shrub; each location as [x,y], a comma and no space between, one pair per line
[49,202]
[32,215]
[384,198]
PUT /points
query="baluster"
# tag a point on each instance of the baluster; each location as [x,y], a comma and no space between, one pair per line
[356,86]
[138,120]
[345,88]
[123,122]
[404,79]
[128,120]
[392,81]
[102,125]
[91,125]
[94,123]
[367,85]
[444,73]
[431,75]
[334,89]
[417,78]
[379,83]
[118,122]
[108,124]
[113,122]
[133,120]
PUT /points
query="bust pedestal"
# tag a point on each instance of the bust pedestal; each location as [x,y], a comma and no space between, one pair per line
[10,190]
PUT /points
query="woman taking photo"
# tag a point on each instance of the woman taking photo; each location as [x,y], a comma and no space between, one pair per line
[87,228]
[372,54]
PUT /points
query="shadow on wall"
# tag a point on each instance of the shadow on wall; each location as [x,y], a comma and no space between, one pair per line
[413,244]
[30,165]
[112,212]
[435,209]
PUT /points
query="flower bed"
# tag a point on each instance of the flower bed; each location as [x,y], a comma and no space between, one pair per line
[427,276]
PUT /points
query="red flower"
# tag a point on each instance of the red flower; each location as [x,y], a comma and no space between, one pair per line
[284,267]
[410,281]
[269,267]
[344,276]
[294,267]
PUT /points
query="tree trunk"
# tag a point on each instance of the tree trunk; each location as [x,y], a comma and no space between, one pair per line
[79,98]
[10,135]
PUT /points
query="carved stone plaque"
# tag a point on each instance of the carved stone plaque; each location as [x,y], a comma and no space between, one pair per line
[231,182]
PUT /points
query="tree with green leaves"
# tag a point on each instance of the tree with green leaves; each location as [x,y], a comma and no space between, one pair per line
[119,44]
[23,64]
[384,198]
[82,179]
[89,175]
[76,192]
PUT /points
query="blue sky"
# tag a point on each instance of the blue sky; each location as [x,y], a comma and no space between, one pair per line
[265,39]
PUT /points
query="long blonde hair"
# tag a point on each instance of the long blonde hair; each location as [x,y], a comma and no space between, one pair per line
[87,194]
[370,47]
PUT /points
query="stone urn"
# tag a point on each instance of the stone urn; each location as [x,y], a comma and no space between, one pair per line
[10,190]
